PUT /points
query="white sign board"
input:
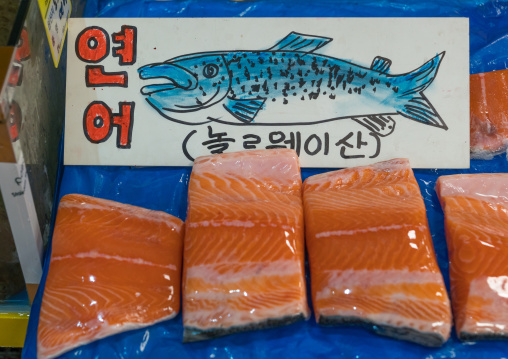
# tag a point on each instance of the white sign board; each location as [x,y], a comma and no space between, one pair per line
[340,91]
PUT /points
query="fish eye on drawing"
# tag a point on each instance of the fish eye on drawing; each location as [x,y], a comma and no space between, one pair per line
[210,71]
[248,84]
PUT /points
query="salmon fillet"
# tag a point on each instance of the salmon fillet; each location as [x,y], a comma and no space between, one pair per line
[489,113]
[244,244]
[371,256]
[476,225]
[113,268]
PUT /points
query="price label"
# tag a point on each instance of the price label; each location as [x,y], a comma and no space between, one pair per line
[55,15]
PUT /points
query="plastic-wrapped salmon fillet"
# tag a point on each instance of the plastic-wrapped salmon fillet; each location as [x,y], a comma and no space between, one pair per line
[244,244]
[114,267]
[371,256]
[476,225]
[489,113]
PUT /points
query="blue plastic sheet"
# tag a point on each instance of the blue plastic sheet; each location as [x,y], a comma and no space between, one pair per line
[488,20]
[166,189]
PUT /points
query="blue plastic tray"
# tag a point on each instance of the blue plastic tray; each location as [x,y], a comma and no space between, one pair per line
[166,189]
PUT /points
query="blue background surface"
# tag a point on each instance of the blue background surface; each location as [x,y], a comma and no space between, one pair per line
[166,189]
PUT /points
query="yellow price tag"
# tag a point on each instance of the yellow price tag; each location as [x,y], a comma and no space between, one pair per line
[55,15]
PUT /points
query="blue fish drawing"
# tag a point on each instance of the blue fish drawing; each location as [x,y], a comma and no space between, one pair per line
[246,83]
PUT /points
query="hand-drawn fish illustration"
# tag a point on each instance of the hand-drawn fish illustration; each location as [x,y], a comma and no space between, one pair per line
[247,82]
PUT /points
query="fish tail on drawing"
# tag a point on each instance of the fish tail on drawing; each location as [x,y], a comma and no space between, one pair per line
[412,102]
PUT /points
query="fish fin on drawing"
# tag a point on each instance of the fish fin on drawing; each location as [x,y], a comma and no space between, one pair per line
[300,42]
[382,125]
[244,110]
[381,64]
[419,109]
[412,102]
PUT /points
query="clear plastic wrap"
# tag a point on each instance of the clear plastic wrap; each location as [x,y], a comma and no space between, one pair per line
[113,268]
[166,189]
[244,244]
[476,223]
[371,257]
